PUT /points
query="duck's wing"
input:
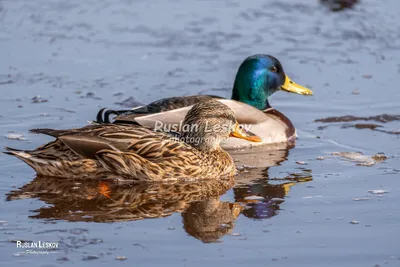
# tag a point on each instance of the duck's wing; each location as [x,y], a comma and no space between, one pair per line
[153,157]
[162,105]
[90,129]
[125,149]
[89,140]
[77,144]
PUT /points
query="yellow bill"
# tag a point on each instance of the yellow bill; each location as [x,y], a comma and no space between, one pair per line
[293,87]
[238,132]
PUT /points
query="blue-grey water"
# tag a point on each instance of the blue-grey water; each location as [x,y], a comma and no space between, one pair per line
[60,61]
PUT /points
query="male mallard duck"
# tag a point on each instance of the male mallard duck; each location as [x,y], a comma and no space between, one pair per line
[258,77]
[139,153]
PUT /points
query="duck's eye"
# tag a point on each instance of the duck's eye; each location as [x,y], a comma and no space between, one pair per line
[274,69]
[240,127]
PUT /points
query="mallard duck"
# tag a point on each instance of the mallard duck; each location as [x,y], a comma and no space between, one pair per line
[139,153]
[258,77]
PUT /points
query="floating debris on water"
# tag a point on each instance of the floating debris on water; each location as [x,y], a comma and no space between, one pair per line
[120,258]
[360,199]
[384,118]
[38,99]
[301,162]
[235,234]
[378,191]
[320,158]
[90,257]
[379,157]
[14,136]
[355,222]
[355,92]
[254,198]
[361,159]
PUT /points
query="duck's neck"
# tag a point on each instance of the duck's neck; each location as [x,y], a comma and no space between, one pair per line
[253,88]
[258,98]
[203,142]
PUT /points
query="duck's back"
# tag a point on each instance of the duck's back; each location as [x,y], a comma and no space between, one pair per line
[162,105]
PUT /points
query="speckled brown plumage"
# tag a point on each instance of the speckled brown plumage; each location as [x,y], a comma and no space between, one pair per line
[135,152]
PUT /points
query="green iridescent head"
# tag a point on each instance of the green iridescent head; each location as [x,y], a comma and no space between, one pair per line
[258,77]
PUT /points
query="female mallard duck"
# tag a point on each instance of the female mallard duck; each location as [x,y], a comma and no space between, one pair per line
[138,153]
[258,77]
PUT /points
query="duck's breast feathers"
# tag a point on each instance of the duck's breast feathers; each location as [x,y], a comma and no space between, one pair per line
[274,127]
[290,131]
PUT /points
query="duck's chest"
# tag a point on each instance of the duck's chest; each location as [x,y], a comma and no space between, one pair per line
[219,163]
[272,126]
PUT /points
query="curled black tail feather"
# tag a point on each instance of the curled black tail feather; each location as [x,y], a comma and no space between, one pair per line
[103,116]
[99,117]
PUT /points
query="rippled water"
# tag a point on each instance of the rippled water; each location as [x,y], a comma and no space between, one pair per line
[313,207]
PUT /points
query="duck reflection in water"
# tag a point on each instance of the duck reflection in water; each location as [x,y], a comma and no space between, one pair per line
[109,201]
[262,197]
[205,216]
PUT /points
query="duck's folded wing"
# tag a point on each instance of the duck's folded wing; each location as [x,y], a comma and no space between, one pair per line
[86,130]
[134,139]
[159,106]
[87,146]
[88,140]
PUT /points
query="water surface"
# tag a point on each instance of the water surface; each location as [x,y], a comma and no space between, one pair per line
[62,61]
